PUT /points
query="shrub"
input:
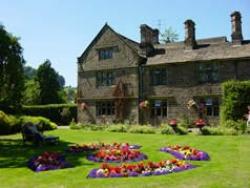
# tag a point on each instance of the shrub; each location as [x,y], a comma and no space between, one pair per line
[59,113]
[235,99]
[12,124]
[89,127]
[180,130]
[238,125]
[143,129]
[47,124]
[118,128]
[94,127]
[166,129]
[66,116]
[74,125]
[218,131]
[184,122]
[7,123]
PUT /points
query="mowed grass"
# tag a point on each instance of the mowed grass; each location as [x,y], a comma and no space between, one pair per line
[229,165]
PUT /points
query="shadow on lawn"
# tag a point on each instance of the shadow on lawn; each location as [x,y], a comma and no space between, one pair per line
[15,154]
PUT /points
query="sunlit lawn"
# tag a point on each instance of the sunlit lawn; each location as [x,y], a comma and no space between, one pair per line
[229,165]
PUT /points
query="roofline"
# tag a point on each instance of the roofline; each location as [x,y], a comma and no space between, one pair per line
[197,61]
[104,28]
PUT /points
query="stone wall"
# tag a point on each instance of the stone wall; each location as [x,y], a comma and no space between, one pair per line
[183,85]
[123,64]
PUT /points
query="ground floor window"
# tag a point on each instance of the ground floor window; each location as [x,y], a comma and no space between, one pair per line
[158,108]
[209,106]
[105,108]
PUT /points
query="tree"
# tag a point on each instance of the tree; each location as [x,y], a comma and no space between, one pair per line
[31,94]
[169,35]
[29,72]
[70,94]
[50,87]
[11,69]
[61,80]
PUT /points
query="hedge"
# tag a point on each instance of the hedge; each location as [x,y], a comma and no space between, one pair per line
[236,98]
[61,114]
[12,124]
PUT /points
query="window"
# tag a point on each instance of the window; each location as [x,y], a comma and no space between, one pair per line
[159,108]
[104,78]
[158,76]
[208,73]
[105,53]
[209,106]
[105,108]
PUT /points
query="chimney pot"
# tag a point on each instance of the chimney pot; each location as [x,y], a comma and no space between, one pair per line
[190,41]
[149,35]
[236,27]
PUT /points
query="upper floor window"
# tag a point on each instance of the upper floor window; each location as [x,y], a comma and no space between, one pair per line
[158,76]
[105,108]
[159,108]
[105,53]
[208,73]
[209,106]
[104,78]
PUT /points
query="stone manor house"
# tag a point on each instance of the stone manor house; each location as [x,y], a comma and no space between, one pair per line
[121,80]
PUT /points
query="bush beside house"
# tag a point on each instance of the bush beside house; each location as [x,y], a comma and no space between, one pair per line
[12,124]
[61,114]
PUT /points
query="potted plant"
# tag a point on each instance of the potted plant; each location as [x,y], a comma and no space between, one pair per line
[173,123]
[144,104]
[200,123]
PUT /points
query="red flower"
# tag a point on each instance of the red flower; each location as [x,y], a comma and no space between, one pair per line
[200,123]
[173,122]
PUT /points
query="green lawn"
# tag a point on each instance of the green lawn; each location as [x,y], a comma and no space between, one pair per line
[229,165]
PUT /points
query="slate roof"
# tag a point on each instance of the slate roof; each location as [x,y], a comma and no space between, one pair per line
[208,49]
[217,48]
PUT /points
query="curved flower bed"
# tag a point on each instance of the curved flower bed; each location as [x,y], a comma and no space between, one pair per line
[83,148]
[140,169]
[117,155]
[186,153]
[93,147]
[48,161]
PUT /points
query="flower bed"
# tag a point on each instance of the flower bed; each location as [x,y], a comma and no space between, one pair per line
[83,148]
[48,161]
[140,169]
[93,147]
[186,153]
[117,153]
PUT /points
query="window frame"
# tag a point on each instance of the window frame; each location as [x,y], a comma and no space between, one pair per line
[158,76]
[105,53]
[106,108]
[212,110]
[104,78]
[208,73]
[159,111]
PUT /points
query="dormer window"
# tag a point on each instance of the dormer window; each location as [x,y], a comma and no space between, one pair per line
[105,53]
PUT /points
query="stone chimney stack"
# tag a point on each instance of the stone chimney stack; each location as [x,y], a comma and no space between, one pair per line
[149,35]
[236,28]
[190,41]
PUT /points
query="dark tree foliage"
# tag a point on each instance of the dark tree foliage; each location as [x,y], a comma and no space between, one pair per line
[61,80]
[49,85]
[29,72]
[11,70]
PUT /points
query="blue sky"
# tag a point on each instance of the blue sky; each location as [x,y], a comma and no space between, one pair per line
[60,30]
